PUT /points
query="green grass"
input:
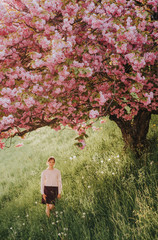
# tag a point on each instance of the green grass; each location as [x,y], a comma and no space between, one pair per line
[105,195]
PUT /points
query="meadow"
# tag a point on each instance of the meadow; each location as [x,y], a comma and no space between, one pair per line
[107,193]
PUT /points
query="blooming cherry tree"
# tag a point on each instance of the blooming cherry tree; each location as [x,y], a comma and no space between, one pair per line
[63,62]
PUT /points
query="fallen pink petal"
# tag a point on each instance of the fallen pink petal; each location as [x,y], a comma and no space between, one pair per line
[19,145]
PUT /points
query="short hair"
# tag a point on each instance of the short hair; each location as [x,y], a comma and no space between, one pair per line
[51,158]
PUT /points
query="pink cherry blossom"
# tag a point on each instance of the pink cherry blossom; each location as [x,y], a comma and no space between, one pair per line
[102,99]
[29,102]
[1,144]
[93,114]
[121,1]
[83,144]
[95,128]
[63,62]
[103,121]
[150,57]
[58,90]
[122,48]
[92,49]
[81,88]
[149,97]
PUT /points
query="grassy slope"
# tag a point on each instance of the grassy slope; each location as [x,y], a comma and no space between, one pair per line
[105,196]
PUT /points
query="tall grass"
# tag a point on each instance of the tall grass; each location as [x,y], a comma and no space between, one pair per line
[105,195]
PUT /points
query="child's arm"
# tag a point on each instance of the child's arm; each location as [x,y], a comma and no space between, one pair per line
[42,186]
[42,183]
[59,185]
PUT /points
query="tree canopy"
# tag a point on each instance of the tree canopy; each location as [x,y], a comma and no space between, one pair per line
[63,62]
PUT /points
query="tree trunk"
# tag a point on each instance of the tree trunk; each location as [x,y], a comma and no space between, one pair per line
[134,132]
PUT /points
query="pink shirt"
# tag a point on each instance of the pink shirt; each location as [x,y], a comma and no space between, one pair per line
[51,178]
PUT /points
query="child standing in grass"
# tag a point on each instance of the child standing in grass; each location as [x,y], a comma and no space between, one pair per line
[51,185]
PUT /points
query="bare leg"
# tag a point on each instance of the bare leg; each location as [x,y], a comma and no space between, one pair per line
[51,206]
[47,210]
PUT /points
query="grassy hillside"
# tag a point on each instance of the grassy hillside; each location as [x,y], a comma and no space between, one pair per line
[105,195]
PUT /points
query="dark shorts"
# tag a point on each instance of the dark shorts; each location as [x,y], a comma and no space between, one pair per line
[52,193]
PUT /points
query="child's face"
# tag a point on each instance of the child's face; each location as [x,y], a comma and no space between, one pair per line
[51,163]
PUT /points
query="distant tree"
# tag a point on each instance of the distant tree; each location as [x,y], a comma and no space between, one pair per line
[63,62]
